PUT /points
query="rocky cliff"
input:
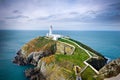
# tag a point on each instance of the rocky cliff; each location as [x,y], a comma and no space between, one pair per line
[55,60]
[34,50]
[111,69]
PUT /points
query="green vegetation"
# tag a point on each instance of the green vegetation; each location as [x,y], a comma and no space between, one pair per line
[77,58]
[42,41]
[69,61]
[88,74]
[87,48]
[37,44]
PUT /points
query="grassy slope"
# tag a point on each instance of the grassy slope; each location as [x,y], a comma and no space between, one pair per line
[37,44]
[77,58]
[87,48]
[88,74]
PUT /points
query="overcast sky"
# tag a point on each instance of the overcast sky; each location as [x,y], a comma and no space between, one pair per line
[62,14]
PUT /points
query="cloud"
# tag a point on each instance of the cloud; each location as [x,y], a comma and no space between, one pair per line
[59,12]
[16,17]
[115,5]
[110,14]
[2,23]
[17,12]
[46,17]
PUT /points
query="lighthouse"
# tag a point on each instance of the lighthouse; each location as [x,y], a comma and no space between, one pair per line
[50,30]
[53,36]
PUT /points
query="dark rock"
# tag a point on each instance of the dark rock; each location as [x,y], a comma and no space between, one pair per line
[34,74]
[19,52]
[97,63]
[111,69]
[20,59]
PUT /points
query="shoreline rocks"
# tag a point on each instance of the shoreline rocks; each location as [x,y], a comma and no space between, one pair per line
[34,74]
[20,59]
[111,69]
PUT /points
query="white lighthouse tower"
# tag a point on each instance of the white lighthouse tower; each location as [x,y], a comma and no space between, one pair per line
[50,30]
[53,36]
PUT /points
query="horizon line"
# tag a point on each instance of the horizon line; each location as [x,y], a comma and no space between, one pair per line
[53,30]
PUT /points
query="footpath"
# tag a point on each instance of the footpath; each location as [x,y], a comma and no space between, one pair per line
[90,56]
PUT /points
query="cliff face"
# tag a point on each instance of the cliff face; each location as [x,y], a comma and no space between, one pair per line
[53,60]
[48,70]
[34,50]
[52,71]
[111,69]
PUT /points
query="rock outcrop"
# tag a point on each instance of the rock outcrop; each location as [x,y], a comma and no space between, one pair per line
[34,74]
[28,55]
[47,69]
[52,71]
[20,59]
[111,69]
[63,48]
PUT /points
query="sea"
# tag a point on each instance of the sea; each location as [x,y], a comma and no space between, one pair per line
[105,42]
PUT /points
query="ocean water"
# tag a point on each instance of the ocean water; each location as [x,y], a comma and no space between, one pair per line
[105,42]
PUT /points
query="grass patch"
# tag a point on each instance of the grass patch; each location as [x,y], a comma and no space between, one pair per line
[37,44]
[77,58]
[88,74]
[87,47]
[69,61]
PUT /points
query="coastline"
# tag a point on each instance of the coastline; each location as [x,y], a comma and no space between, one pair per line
[108,59]
[114,78]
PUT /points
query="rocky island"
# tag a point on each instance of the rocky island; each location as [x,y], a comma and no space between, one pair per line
[56,57]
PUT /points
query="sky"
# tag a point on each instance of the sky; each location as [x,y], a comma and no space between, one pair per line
[61,14]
